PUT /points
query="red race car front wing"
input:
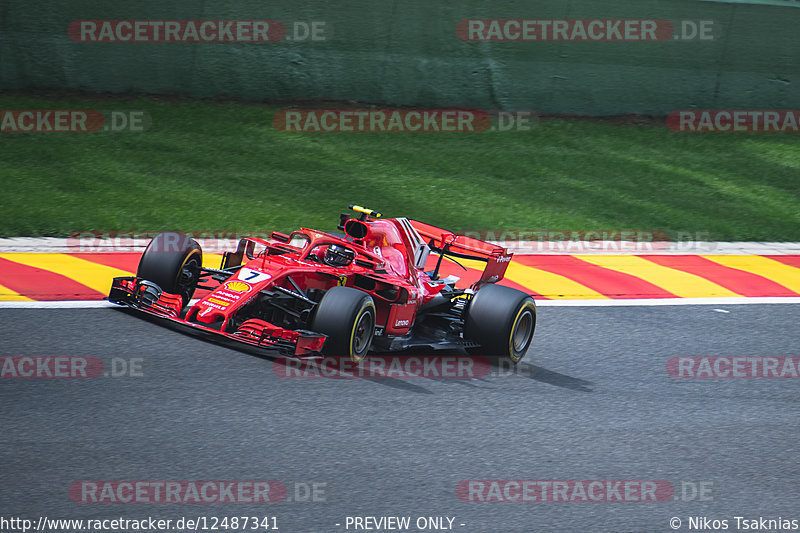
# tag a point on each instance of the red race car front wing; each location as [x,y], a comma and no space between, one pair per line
[148,298]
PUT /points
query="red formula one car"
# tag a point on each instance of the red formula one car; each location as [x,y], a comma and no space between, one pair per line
[312,293]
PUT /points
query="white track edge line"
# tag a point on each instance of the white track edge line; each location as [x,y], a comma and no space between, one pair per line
[646,302]
[631,302]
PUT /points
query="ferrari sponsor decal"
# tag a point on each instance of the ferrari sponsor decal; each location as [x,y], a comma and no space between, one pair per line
[227,295]
[342,280]
[252,276]
[237,286]
[402,323]
[217,301]
[209,306]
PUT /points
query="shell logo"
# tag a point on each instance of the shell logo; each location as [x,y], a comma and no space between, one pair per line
[237,286]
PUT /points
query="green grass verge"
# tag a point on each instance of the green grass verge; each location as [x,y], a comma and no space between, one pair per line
[222,166]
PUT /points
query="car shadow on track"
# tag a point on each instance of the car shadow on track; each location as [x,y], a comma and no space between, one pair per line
[560,380]
[501,367]
[485,371]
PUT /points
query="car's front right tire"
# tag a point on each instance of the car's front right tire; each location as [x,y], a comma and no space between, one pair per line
[172,261]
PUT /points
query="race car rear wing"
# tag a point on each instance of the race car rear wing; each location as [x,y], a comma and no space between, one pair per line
[447,243]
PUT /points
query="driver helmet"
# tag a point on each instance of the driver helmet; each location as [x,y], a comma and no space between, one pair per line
[339,256]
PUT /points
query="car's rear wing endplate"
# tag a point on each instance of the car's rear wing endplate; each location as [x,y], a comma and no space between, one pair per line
[446,242]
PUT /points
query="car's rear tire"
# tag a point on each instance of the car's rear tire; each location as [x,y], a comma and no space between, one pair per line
[347,317]
[172,261]
[502,320]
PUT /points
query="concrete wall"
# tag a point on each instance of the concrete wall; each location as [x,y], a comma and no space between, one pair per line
[408,53]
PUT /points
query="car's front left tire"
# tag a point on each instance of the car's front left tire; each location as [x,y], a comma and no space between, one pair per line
[347,316]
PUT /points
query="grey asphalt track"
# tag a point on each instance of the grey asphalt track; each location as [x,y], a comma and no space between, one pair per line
[591,400]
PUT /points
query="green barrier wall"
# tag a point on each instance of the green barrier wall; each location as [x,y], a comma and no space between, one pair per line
[408,53]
